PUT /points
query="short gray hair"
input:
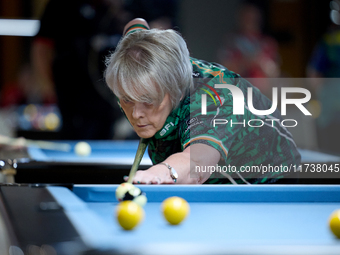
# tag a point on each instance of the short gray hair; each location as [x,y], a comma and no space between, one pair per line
[148,64]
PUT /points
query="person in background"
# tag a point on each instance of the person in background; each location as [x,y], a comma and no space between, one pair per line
[249,52]
[324,68]
[68,59]
[161,14]
[20,91]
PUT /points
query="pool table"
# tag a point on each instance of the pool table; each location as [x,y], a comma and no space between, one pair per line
[108,163]
[225,219]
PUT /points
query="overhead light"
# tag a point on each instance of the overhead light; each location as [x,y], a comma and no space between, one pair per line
[19,27]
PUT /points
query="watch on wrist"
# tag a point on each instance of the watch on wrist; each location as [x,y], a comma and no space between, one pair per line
[173,173]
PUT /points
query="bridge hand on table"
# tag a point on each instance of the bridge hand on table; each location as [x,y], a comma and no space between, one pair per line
[154,175]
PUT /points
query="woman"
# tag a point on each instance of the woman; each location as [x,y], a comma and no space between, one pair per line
[160,88]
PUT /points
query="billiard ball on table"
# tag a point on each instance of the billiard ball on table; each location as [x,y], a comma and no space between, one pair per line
[82,149]
[175,210]
[127,191]
[334,223]
[129,214]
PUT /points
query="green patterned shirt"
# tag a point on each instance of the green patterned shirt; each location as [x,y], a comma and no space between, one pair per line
[240,144]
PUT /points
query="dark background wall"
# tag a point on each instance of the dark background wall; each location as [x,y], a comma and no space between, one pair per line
[296,24]
[204,24]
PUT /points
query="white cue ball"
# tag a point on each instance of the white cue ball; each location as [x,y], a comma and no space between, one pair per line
[82,149]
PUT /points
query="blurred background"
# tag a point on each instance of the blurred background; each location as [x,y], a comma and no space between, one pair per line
[53,53]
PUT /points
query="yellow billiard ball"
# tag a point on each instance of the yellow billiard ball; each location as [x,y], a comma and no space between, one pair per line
[175,210]
[129,214]
[334,223]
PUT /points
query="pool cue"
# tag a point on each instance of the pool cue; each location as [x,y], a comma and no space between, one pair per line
[143,143]
[36,143]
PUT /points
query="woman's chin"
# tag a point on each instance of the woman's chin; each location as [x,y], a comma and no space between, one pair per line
[145,134]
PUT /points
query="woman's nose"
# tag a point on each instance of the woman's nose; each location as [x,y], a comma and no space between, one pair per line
[138,111]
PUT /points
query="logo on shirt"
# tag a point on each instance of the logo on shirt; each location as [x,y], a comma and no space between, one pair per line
[204,98]
[196,74]
[166,128]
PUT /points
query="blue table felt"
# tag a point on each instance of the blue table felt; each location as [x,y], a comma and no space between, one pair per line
[273,219]
[123,152]
[103,152]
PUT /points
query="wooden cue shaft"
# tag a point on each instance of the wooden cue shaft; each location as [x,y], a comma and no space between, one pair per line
[143,143]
